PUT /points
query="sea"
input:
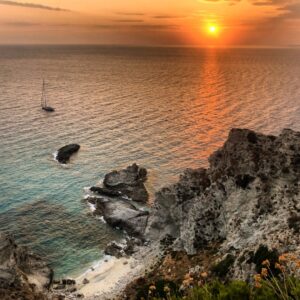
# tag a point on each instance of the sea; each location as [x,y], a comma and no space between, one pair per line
[166,109]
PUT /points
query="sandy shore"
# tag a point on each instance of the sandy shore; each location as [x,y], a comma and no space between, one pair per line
[111,276]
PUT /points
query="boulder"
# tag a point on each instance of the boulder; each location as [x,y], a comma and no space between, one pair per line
[122,214]
[64,153]
[22,270]
[115,249]
[122,249]
[128,182]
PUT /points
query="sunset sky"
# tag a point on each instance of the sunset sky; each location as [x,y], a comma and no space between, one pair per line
[151,22]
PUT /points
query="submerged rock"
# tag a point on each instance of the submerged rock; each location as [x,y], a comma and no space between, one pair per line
[22,273]
[249,196]
[122,214]
[64,153]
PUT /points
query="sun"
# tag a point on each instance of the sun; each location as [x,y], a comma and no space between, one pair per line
[213,29]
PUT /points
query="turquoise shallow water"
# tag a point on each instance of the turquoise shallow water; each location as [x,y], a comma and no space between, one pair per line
[164,108]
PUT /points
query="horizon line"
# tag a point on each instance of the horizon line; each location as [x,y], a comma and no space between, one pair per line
[144,45]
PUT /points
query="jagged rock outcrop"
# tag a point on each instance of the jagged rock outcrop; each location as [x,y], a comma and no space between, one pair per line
[64,153]
[128,182]
[23,275]
[120,213]
[249,196]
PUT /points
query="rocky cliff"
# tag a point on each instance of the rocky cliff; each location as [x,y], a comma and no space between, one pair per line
[23,275]
[248,197]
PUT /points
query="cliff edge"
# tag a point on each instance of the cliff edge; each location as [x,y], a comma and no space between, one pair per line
[248,198]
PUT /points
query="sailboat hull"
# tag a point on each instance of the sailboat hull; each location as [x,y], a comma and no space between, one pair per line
[48,108]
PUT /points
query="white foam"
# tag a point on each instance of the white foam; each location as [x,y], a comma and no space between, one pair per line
[55,155]
[92,206]
[97,264]
[87,189]
[101,218]
[55,158]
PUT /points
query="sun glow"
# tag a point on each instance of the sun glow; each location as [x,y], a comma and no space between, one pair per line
[212,29]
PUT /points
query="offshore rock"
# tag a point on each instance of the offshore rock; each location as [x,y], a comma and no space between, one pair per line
[22,273]
[249,196]
[121,214]
[64,153]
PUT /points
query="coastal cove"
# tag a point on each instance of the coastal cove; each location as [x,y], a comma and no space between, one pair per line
[200,227]
[167,109]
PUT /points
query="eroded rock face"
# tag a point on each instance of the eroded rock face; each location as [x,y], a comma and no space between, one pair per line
[21,272]
[120,213]
[64,153]
[249,196]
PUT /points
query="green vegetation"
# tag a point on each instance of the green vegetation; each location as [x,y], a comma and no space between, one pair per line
[221,269]
[262,254]
[234,290]
[277,279]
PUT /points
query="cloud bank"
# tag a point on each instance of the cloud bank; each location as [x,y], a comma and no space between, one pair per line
[31,5]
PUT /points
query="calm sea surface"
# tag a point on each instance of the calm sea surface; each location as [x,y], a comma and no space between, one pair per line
[164,108]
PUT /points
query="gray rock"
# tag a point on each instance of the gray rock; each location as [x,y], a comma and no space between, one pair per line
[122,214]
[115,249]
[64,153]
[126,248]
[105,191]
[248,196]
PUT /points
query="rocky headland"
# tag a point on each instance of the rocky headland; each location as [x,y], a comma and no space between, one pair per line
[225,219]
[248,197]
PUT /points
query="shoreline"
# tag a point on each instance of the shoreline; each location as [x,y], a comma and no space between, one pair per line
[107,278]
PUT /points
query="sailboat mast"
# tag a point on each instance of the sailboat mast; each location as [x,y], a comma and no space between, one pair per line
[43,102]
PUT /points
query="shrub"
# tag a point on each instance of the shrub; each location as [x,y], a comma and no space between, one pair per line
[264,254]
[222,268]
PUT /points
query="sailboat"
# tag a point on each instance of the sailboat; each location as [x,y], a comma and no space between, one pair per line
[44,100]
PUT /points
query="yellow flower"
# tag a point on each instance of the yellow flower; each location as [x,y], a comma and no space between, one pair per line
[187,276]
[257,285]
[266,263]
[282,258]
[204,275]
[279,267]
[264,272]
[257,277]
[167,289]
